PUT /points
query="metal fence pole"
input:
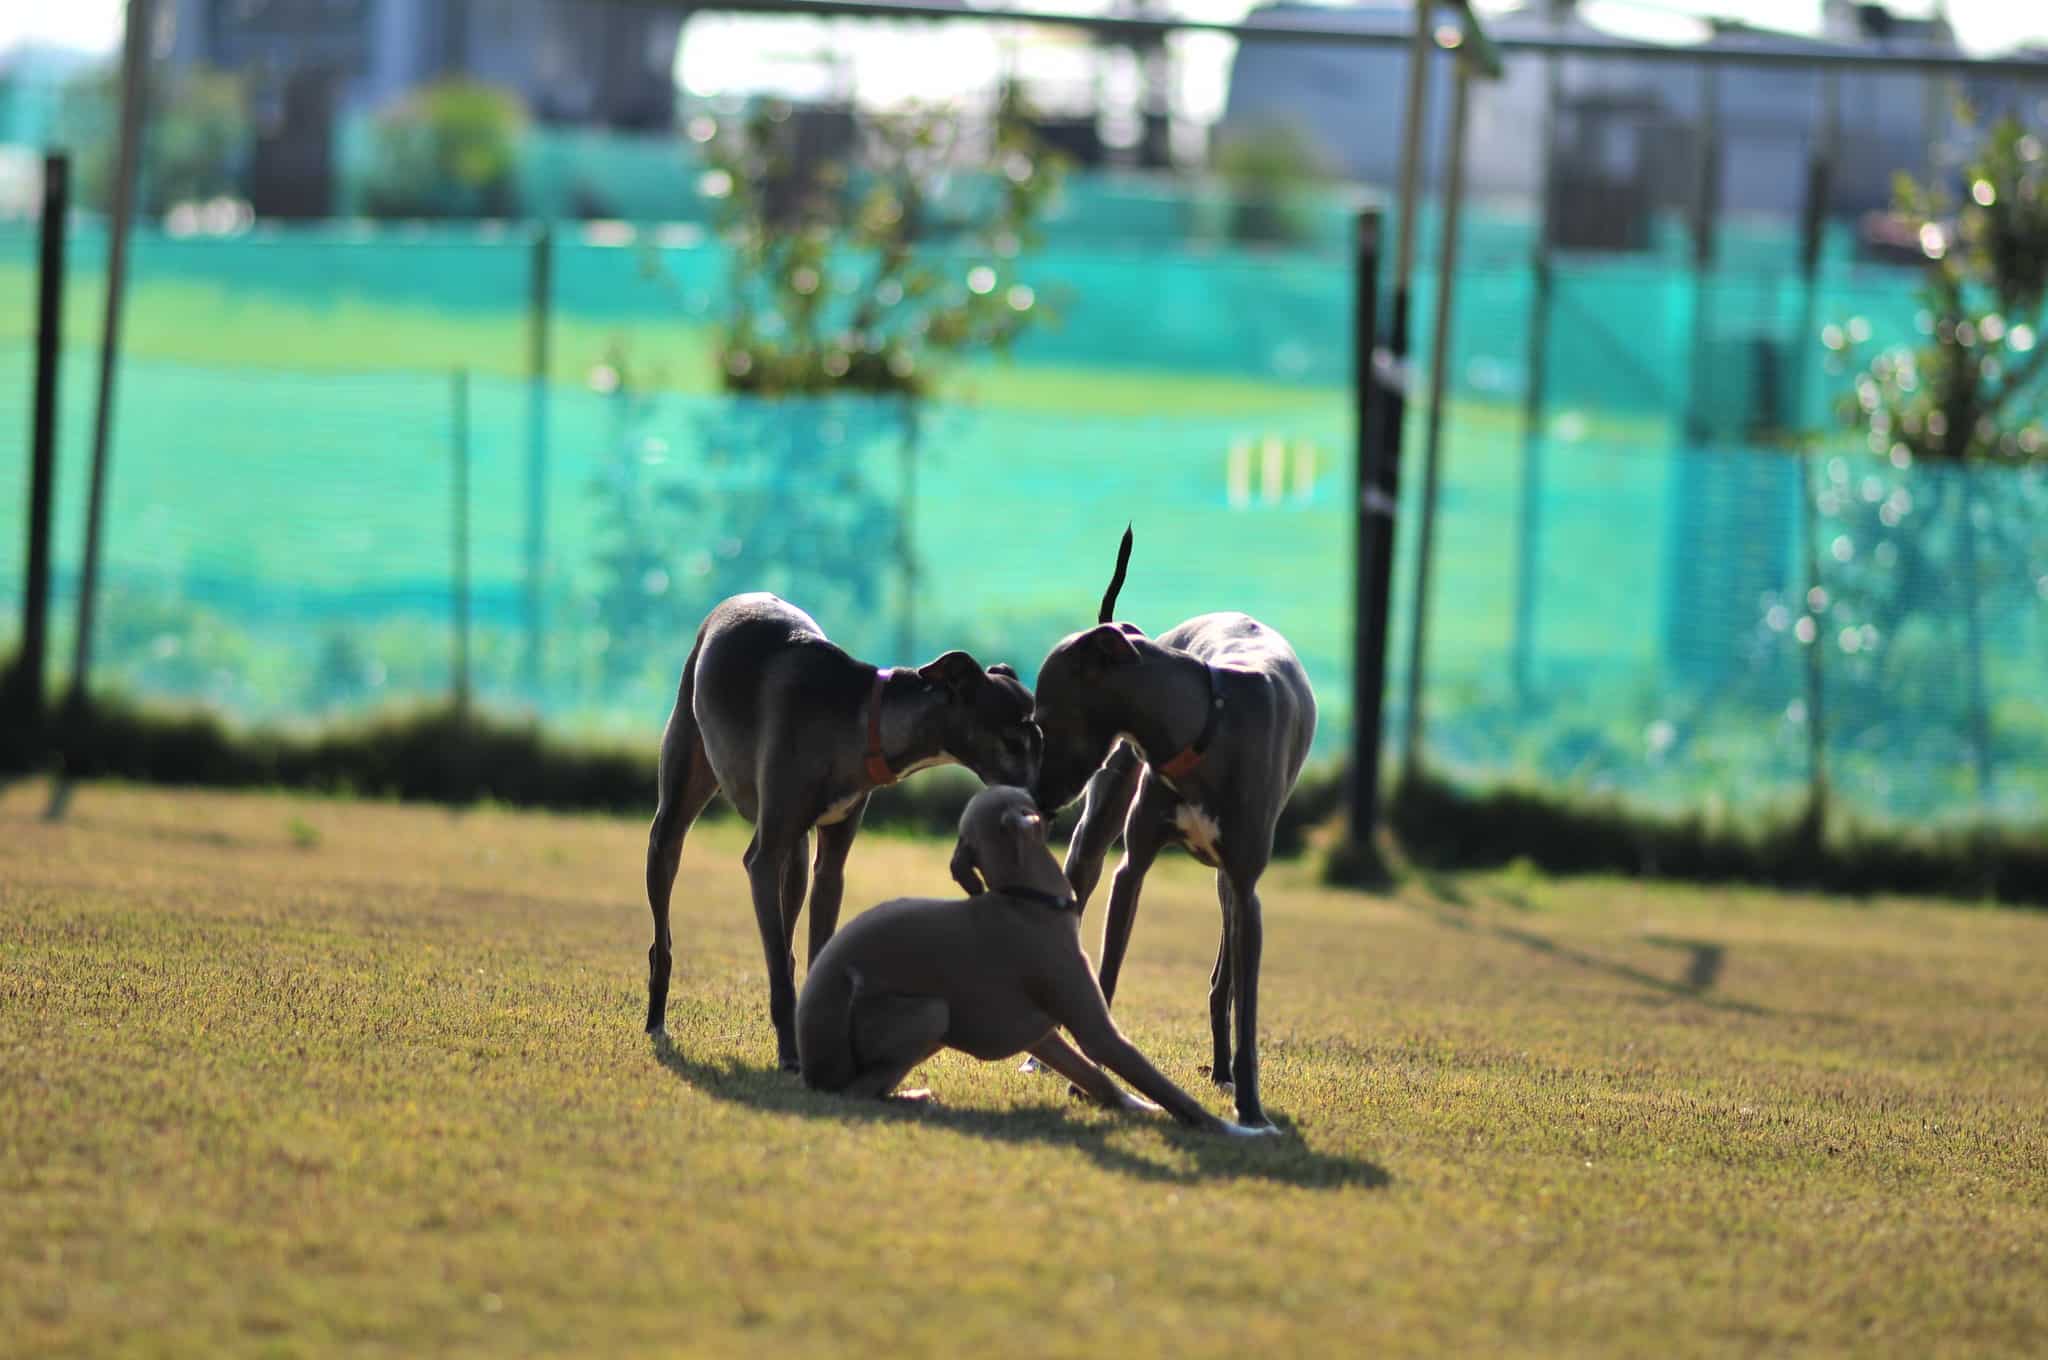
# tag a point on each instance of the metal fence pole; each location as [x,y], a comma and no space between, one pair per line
[35,604]
[458,413]
[1440,360]
[1819,185]
[1372,540]
[1381,402]
[1528,539]
[134,104]
[906,541]
[539,337]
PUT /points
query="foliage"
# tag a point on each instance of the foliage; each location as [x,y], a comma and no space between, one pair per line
[1912,549]
[195,145]
[867,277]
[446,150]
[1970,390]
[1271,171]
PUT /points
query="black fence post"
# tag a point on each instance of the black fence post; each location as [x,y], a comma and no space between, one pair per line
[1377,406]
[539,337]
[28,678]
[458,412]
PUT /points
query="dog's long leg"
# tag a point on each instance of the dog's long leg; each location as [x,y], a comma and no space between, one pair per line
[1247,939]
[796,880]
[828,879]
[767,859]
[1219,991]
[686,783]
[1102,817]
[1144,835]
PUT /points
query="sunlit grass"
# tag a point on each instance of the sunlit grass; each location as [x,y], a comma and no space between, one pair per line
[285,1074]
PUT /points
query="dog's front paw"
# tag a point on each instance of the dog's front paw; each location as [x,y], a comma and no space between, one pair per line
[916,1095]
[1030,1064]
[1241,1130]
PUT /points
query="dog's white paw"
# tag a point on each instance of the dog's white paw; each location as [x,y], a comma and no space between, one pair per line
[1249,1130]
[1030,1064]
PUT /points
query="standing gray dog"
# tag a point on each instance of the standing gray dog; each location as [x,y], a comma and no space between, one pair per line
[1205,731]
[797,733]
[992,976]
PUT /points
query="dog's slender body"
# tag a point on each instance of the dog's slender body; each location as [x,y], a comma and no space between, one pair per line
[1205,731]
[993,976]
[797,734]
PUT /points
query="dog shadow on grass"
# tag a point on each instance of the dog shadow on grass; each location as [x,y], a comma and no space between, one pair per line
[1187,1157]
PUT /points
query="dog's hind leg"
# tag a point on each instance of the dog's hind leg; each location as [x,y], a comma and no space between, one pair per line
[891,1035]
[828,877]
[686,783]
[1219,993]
[767,859]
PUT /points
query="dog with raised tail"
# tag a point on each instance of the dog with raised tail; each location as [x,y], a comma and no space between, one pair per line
[1193,739]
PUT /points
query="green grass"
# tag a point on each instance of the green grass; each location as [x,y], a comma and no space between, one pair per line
[386,1090]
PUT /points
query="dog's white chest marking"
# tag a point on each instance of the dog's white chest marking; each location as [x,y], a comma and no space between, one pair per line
[1199,830]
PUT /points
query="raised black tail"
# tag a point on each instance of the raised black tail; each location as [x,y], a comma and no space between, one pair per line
[1116,580]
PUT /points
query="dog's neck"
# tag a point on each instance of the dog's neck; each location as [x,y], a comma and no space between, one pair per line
[1033,874]
[1163,703]
[909,723]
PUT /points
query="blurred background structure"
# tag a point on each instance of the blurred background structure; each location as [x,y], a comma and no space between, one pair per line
[477,348]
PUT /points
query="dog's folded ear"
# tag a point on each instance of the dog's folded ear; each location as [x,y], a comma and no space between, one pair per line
[966,871]
[1109,645]
[1003,668]
[956,672]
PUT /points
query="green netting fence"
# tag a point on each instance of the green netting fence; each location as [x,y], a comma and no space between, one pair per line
[281,537]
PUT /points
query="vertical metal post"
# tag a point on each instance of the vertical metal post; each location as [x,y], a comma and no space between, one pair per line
[1372,538]
[1706,210]
[539,337]
[35,604]
[134,101]
[906,543]
[1439,376]
[1381,407]
[458,416]
[1529,528]
[1819,184]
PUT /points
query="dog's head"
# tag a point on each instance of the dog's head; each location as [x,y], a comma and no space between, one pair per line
[1001,833]
[985,719]
[1077,709]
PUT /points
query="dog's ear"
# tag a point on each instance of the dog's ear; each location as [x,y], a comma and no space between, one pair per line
[1109,645]
[1020,822]
[1002,668]
[966,870]
[956,672]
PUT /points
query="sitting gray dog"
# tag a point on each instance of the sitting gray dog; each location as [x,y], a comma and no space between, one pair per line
[993,976]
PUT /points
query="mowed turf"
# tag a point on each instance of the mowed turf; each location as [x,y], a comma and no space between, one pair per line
[284,1075]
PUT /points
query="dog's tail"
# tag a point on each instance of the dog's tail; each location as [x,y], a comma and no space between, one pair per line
[1116,580]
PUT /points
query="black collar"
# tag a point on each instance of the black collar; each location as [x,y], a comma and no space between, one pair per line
[1043,898]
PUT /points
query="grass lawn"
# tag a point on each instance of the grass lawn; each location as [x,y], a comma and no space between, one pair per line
[286,1074]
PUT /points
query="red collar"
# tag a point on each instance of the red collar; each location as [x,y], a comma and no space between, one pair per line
[879,773]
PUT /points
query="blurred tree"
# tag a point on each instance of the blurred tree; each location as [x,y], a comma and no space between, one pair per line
[196,147]
[866,277]
[1913,549]
[448,150]
[851,283]
[1971,389]
[1271,172]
